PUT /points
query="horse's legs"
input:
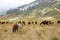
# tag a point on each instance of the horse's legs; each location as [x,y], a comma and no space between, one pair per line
[14,30]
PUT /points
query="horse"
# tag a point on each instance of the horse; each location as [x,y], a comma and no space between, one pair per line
[15,27]
[23,22]
[29,22]
[45,22]
[58,21]
[2,22]
[35,22]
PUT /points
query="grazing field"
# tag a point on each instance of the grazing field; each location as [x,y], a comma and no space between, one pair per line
[31,32]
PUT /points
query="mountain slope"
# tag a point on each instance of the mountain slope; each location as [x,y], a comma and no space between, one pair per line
[38,8]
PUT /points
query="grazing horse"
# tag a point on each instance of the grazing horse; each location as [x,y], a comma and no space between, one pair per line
[45,22]
[7,22]
[32,22]
[23,22]
[2,22]
[35,22]
[49,22]
[20,26]
[15,27]
[29,22]
[58,21]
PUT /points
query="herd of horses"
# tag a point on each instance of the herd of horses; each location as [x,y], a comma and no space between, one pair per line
[45,22]
[20,23]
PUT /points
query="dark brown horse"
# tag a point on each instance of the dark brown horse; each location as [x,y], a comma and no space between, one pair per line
[2,22]
[32,22]
[7,22]
[15,28]
[58,21]
[29,22]
[23,22]
[45,22]
[35,22]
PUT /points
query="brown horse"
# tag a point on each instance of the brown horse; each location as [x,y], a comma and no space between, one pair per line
[45,22]
[7,22]
[2,22]
[29,22]
[15,28]
[35,22]
[23,22]
[32,22]
[58,21]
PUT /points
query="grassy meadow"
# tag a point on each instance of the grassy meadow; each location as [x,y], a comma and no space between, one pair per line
[31,32]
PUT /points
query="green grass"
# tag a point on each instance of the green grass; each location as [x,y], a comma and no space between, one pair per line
[49,10]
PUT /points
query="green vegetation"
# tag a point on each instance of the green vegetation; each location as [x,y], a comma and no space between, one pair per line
[36,11]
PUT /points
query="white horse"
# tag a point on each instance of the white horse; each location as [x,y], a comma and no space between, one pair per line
[20,26]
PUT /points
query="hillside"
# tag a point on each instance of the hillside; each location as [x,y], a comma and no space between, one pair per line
[38,8]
